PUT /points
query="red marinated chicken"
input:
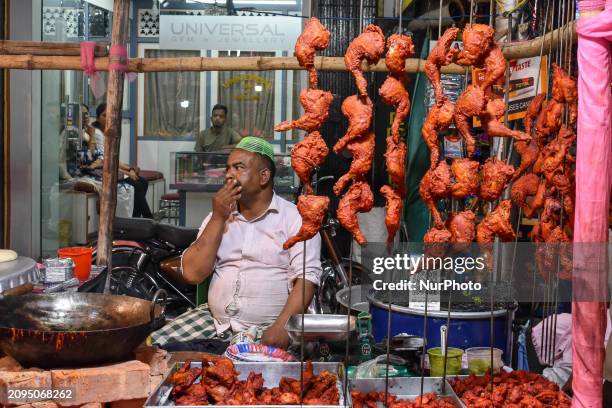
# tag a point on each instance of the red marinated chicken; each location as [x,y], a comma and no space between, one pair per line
[393,93]
[523,187]
[470,103]
[395,160]
[358,198]
[399,48]
[477,42]
[442,54]
[549,220]
[438,119]
[462,227]
[315,37]
[549,121]
[496,175]
[394,210]
[316,111]
[565,90]
[529,152]
[466,176]
[306,155]
[494,110]
[436,240]
[312,209]
[533,111]
[435,184]
[362,149]
[369,45]
[358,111]
[496,223]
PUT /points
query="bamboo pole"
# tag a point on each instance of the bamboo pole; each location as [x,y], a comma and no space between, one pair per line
[112,139]
[48,48]
[523,49]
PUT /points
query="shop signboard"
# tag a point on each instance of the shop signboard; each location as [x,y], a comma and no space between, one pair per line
[229,33]
[524,72]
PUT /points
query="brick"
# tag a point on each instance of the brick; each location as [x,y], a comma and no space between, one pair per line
[25,379]
[135,403]
[156,358]
[155,381]
[9,364]
[117,382]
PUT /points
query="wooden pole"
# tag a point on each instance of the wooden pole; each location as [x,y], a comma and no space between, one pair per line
[29,62]
[48,48]
[112,139]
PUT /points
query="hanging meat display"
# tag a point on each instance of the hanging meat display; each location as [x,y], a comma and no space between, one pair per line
[369,46]
[315,37]
[358,199]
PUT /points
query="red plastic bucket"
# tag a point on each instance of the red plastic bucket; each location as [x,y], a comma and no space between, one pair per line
[82,260]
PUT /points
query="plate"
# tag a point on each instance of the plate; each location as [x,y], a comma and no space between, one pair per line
[250,352]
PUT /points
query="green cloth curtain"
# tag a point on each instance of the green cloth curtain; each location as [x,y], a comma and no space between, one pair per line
[416,215]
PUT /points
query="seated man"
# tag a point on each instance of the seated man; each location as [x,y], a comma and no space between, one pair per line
[256,285]
[219,136]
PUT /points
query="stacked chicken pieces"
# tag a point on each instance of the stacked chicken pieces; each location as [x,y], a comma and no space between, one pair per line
[359,139]
[310,152]
[545,179]
[466,177]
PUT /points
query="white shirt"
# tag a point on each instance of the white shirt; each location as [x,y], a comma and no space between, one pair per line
[99,135]
[253,274]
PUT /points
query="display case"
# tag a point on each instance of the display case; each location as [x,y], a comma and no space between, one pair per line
[193,171]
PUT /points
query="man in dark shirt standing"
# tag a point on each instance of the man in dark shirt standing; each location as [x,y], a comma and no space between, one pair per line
[219,136]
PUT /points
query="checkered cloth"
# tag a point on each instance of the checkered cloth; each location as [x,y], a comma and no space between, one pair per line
[198,324]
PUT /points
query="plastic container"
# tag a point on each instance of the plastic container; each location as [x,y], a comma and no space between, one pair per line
[81,256]
[479,360]
[436,361]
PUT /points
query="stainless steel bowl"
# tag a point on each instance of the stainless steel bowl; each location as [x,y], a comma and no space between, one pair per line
[327,327]
[359,301]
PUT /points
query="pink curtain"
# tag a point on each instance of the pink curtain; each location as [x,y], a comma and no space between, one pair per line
[593,185]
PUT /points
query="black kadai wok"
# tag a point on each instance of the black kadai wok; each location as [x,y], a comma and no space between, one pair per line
[75,329]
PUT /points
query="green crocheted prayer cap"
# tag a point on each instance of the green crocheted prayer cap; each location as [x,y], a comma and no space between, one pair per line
[256,145]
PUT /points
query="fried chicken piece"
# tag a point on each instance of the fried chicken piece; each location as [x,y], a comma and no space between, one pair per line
[470,103]
[395,160]
[362,149]
[312,209]
[525,186]
[393,205]
[529,152]
[399,48]
[556,152]
[436,241]
[442,54]
[358,111]
[533,205]
[369,45]
[306,155]
[315,37]
[549,121]
[549,219]
[565,90]
[184,377]
[494,110]
[496,223]
[435,184]
[358,198]
[555,255]
[477,41]
[466,176]
[438,119]
[533,111]
[316,111]
[393,93]
[495,67]
[325,380]
[495,177]
[462,227]
[222,371]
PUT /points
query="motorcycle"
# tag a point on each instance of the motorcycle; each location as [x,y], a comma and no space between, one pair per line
[147,257]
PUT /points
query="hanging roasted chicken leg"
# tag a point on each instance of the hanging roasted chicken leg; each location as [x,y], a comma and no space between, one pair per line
[470,103]
[393,93]
[316,111]
[395,160]
[306,155]
[496,175]
[362,150]
[494,110]
[314,37]
[394,204]
[369,46]
[312,208]
[358,198]
[496,223]
[358,111]
[435,184]
[399,48]
[466,176]
[442,54]
[438,119]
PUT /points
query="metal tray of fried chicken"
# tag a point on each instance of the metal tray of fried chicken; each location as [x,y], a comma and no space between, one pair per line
[272,373]
[404,388]
[507,370]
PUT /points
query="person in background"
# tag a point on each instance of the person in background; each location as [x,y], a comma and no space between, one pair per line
[219,136]
[68,150]
[127,173]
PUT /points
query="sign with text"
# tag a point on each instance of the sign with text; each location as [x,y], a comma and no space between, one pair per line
[228,33]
